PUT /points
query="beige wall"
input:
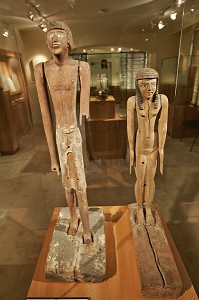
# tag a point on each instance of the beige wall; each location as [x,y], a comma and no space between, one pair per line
[159,46]
[8,43]
[34,51]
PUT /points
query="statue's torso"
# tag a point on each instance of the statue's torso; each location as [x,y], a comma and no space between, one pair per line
[147,136]
[62,83]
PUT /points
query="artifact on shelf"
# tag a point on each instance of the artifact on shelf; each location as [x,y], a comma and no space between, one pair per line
[102,86]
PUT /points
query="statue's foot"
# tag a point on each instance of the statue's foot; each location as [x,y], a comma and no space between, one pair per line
[140,216]
[87,238]
[149,218]
[73,227]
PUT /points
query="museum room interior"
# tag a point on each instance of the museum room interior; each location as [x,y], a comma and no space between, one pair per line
[116,38]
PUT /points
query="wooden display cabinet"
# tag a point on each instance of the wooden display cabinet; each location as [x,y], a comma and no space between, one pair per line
[15,116]
[106,130]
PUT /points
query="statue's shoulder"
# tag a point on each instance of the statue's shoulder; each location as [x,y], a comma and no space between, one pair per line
[131,102]
[164,100]
[84,65]
[38,67]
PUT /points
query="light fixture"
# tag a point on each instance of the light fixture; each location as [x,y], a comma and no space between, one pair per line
[30,15]
[92,50]
[71,3]
[161,25]
[112,49]
[152,24]
[192,9]
[119,49]
[179,2]
[84,50]
[43,25]
[5,33]
[33,12]
[173,15]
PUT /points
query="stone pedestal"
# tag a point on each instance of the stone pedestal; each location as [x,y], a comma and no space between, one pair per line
[69,259]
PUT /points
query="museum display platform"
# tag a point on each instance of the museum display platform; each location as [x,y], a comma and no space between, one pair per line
[122,278]
[106,130]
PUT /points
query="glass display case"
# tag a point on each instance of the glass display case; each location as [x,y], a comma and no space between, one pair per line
[15,114]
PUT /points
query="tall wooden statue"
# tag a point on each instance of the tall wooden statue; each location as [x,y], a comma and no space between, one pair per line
[61,75]
[151,110]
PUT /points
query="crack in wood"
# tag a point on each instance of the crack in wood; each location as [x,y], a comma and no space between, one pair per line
[156,259]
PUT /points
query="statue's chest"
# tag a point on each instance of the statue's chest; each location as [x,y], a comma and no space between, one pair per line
[61,79]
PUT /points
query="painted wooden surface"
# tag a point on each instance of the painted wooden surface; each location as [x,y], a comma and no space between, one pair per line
[122,278]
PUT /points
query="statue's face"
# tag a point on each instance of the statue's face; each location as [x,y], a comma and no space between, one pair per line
[147,87]
[57,41]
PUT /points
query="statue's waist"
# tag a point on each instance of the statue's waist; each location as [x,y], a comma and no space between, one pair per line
[66,129]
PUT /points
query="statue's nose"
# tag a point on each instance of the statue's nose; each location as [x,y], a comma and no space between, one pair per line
[55,37]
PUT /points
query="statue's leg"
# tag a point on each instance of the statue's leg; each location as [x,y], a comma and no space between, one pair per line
[83,209]
[140,170]
[71,201]
[150,186]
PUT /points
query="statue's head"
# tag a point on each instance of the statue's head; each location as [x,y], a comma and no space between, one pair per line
[146,81]
[58,37]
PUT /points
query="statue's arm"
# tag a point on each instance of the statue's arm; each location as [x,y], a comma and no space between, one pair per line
[162,129]
[131,128]
[46,117]
[85,90]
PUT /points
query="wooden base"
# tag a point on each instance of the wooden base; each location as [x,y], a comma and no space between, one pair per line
[122,277]
[159,275]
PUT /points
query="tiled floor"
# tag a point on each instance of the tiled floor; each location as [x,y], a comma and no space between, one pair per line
[29,192]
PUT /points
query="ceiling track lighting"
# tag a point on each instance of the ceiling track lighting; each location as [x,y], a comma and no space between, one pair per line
[30,15]
[179,2]
[33,5]
[5,33]
[170,10]
[161,25]
[173,15]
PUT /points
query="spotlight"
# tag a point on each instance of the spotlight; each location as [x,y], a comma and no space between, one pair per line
[5,33]
[119,49]
[30,15]
[112,49]
[84,50]
[42,24]
[179,2]
[161,25]
[192,10]
[173,15]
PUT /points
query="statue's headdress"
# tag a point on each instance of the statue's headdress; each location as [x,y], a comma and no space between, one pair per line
[146,73]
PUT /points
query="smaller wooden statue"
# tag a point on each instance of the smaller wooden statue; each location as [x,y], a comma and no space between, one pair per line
[151,110]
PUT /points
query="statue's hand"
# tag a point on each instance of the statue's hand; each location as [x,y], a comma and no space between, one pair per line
[161,153]
[55,168]
[131,159]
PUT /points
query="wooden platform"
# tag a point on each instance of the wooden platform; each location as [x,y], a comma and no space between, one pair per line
[158,272]
[122,279]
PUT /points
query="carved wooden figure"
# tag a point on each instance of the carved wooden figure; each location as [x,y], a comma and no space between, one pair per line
[61,75]
[151,110]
